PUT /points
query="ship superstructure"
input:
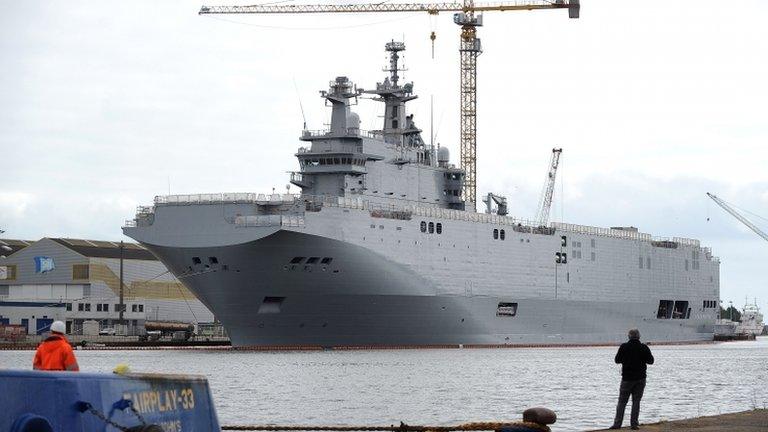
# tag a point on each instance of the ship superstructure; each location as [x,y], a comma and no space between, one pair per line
[751,320]
[378,250]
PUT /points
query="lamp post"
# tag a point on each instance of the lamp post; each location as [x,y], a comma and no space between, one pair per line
[122,302]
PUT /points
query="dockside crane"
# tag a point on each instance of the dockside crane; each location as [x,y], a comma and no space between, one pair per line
[738,216]
[469,16]
[545,200]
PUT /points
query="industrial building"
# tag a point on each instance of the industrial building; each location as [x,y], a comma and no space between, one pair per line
[76,280]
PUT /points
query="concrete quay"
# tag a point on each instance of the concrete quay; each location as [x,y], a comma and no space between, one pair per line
[746,421]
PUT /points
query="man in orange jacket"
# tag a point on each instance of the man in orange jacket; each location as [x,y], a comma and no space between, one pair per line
[55,353]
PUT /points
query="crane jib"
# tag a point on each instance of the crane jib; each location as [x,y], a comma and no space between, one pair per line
[431,8]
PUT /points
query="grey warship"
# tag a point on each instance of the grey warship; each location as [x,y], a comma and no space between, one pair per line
[378,250]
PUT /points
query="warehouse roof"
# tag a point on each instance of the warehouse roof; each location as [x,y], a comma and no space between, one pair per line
[14,245]
[106,249]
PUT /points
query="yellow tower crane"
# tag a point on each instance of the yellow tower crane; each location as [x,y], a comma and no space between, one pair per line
[468,16]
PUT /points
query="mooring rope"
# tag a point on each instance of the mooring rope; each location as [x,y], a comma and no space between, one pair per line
[477,426]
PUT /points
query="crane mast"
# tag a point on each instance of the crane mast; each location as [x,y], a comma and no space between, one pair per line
[738,216]
[545,201]
[469,18]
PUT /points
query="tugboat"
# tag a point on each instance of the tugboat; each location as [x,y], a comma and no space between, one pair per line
[751,320]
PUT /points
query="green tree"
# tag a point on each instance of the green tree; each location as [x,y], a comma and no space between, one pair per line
[731,313]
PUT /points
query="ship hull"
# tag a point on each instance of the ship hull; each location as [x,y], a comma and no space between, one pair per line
[361,298]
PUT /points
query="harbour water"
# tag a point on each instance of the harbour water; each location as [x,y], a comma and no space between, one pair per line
[440,387]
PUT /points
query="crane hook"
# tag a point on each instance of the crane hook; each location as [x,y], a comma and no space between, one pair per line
[432,37]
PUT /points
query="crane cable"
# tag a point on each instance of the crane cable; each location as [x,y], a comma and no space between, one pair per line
[740,209]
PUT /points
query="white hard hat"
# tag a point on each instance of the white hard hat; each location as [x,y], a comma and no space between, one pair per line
[58,327]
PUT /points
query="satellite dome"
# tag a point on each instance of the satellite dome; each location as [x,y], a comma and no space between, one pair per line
[353,120]
[443,155]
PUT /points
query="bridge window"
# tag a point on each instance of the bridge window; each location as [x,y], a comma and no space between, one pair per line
[439,228]
[326,260]
[665,309]
[196,260]
[312,260]
[495,234]
[423,226]
[431,227]
[501,234]
[681,310]
[297,260]
[213,260]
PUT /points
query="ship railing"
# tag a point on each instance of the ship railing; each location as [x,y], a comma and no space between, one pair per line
[297,177]
[617,233]
[687,241]
[225,198]
[604,232]
[327,133]
[269,220]
[145,210]
[316,203]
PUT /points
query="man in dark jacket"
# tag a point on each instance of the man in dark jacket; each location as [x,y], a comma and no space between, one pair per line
[633,356]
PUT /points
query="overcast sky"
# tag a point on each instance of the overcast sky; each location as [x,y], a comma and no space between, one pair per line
[104,105]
